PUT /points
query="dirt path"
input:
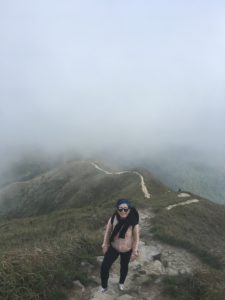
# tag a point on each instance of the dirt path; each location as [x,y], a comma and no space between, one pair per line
[182,203]
[145,274]
[143,186]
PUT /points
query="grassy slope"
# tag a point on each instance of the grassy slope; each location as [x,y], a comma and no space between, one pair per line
[41,256]
[43,253]
[200,178]
[198,228]
[74,185]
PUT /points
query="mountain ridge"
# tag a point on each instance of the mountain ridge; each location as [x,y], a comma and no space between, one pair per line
[63,187]
[69,234]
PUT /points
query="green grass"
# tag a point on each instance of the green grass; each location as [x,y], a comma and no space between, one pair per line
[197,227]
[57,221]
[202,285]
[45,273]
[41,256]
[37,230]
[74,185]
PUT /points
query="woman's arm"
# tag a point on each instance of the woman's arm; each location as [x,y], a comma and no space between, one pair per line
[136,239]
[108,231]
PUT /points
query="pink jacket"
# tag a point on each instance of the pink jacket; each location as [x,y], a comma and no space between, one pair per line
[130,242]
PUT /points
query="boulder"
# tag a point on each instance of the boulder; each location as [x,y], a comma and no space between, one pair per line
[99,259]
[78,285]
[156,268]
[86,264]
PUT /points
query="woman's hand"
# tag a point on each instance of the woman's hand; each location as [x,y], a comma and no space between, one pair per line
[134,255]
[105,248]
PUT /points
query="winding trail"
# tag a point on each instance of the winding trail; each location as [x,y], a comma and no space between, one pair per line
[182,203]
[156,259]
[143,185]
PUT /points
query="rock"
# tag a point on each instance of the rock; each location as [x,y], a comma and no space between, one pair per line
[86,264]
[103,296]
[158,280]
[79,285]
[147,252]
[38,249]
[142,272]
[99,259]
[172,272]
[125,297]
[138,267]
[142,243]
[188,270]
[156,268]
[185,271]
[94,278]
[157,256]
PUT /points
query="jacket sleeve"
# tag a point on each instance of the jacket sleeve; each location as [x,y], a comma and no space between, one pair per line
[108,231]
[136,238]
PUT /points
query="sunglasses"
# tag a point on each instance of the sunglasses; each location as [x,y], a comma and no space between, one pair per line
[123,209]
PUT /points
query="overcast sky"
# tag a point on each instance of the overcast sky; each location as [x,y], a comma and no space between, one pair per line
[112,74]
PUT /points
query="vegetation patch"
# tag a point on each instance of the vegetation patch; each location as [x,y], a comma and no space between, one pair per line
[46,273]
[196,227]
[203,284]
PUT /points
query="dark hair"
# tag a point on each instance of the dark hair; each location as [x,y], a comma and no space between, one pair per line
[123,201]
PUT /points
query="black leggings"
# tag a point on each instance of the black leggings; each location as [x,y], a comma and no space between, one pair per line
[109,258]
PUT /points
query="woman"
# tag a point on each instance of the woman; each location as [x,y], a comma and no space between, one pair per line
[121,238]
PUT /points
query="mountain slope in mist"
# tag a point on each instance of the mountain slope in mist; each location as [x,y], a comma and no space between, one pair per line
[75,184]
[26,166]
[189,170]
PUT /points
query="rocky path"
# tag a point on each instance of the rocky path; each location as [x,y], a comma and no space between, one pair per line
[145,274]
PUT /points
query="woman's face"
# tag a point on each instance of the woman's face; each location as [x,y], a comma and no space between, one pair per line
[123,210]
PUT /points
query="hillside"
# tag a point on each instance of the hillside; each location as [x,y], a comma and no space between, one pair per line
[26,167]
[204,176]
[75,184]
[52,224]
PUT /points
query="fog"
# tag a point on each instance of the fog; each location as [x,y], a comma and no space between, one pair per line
[130,78]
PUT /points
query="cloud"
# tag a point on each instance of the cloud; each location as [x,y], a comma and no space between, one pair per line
[130,77]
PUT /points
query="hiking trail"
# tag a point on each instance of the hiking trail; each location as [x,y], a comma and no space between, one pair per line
[145,274]
[156,259]
[143,186]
